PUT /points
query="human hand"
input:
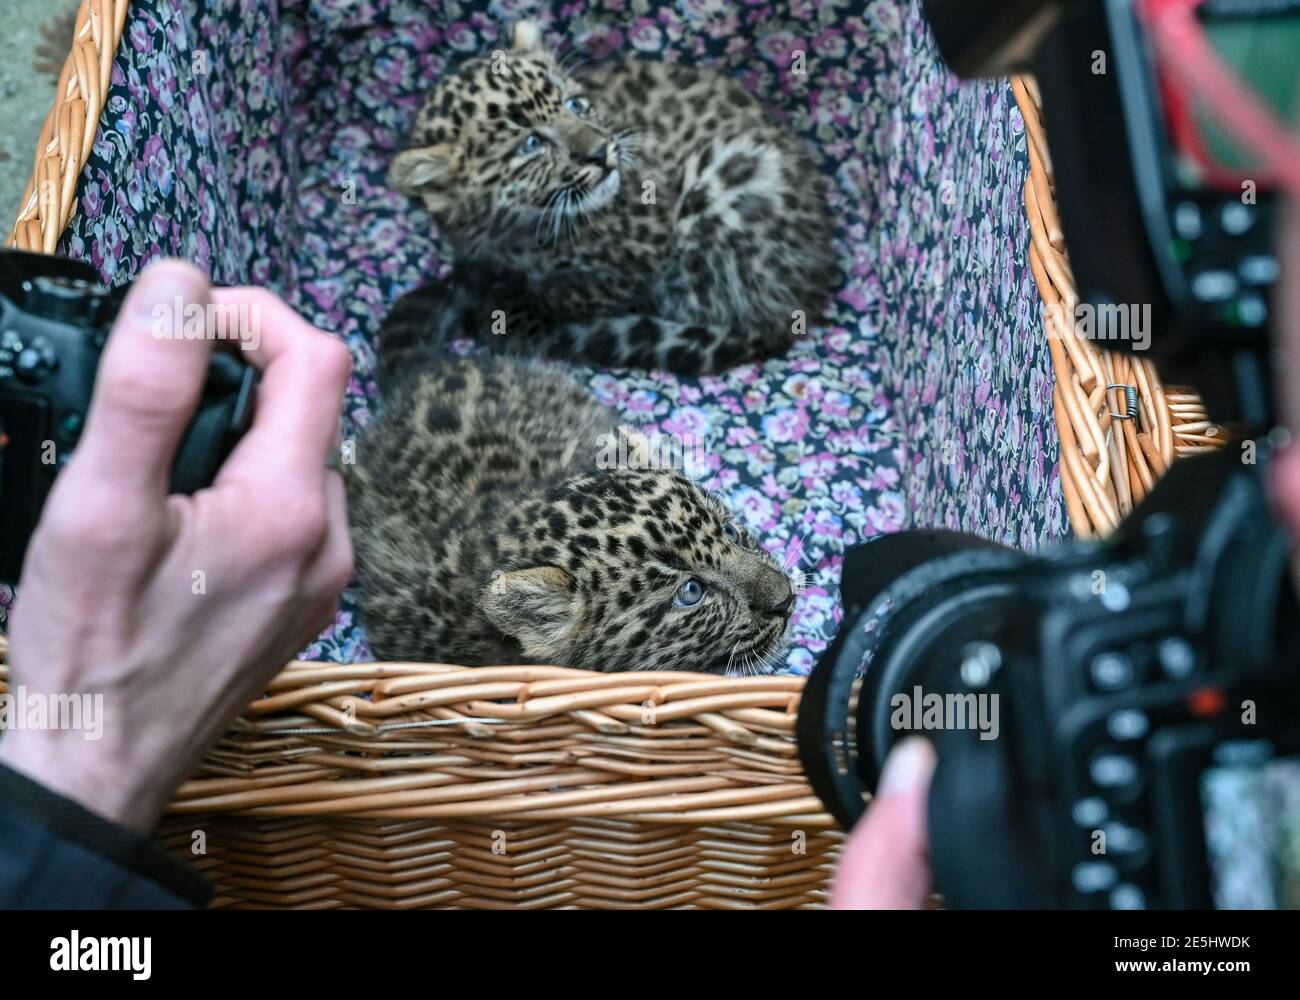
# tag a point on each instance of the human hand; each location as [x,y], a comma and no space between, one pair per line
[178,609]
[885,864]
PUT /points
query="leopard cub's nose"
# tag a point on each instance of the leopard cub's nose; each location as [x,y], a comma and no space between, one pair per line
[768,590]
[599,156]
[775,595]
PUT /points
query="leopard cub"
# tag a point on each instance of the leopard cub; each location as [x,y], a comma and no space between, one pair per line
[486,530]
[643,214]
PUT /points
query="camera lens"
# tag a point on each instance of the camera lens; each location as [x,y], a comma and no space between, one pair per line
[914,602]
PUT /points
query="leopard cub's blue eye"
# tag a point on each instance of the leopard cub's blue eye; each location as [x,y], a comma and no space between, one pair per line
[731,532]
[531,145]
[578,105]
[689,594]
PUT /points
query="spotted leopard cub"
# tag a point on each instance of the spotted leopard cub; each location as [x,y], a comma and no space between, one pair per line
[643,215]
[486,531]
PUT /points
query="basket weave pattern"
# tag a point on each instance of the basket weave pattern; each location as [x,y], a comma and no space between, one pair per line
[1108,464]
[594,863]
[404,785]
[509,786]
[69,130]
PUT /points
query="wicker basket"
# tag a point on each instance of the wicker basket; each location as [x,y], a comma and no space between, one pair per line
[653,790]
[1112,453]
[69,130]
[507,787]
[403,785]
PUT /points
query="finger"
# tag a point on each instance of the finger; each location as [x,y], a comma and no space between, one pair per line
[304,376]
[1286,488]
[149,380]
[885,863]
[328,571]
[331,570]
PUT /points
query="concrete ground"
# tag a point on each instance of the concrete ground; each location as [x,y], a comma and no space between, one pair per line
[35,41]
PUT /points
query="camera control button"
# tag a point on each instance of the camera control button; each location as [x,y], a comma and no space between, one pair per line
[1091,812]
[1127,724]
[1187,220]
[1252,310]
[1115,596]
[1177,658]
[30,365]
[1127,897]
[1236,218]
[36,360]
[1259,269]
[1214,286]
[1124,840]
[1094,876]
[1111,671]
[64,299]
[1114,771]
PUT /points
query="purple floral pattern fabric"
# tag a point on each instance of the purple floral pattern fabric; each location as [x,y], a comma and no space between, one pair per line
[253,138]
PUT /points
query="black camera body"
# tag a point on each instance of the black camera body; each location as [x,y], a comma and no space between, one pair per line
[1077,701]
[1145,227]
[1117,722]
[54,322]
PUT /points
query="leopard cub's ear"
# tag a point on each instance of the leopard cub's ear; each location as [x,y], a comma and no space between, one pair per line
[428,173]
[536,608]
[525,35]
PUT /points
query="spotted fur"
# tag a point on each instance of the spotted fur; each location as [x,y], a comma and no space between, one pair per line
[486,530]
[643,215]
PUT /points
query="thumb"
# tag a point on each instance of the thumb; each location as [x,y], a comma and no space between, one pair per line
[885,863]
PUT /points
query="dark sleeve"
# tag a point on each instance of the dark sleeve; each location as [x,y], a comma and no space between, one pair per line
[56,854]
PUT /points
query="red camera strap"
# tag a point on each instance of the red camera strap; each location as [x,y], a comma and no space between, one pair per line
[1186,55]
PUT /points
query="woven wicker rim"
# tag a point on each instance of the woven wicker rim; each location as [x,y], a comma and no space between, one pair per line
[69,131]
[668,746]
[1108,465]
